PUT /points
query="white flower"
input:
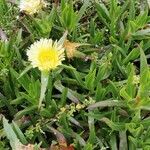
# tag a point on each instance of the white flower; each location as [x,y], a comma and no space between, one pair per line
[31,6]
[46,54]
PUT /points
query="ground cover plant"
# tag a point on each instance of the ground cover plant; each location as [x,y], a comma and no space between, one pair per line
[74,75]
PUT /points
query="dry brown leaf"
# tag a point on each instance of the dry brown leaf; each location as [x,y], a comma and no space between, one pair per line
[29,147]
[58,147]
[60,137]
[62,143]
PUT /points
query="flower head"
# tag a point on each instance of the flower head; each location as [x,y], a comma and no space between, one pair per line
[45,54]
[31,6]
[70,48]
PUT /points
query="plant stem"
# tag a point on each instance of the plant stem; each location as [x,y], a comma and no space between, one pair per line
[44,83]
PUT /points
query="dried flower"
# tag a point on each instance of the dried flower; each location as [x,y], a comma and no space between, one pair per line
[71,48]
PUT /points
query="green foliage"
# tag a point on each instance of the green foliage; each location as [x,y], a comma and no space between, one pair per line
[98,100]
[69,18]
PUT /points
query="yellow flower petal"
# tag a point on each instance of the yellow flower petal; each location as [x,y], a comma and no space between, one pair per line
[45,54]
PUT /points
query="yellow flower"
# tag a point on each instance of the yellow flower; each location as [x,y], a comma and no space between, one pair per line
[63,109]
[46,54]
[31,6]
[136,79]
[80,106]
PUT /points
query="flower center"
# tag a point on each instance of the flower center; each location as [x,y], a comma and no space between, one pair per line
[48,58]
